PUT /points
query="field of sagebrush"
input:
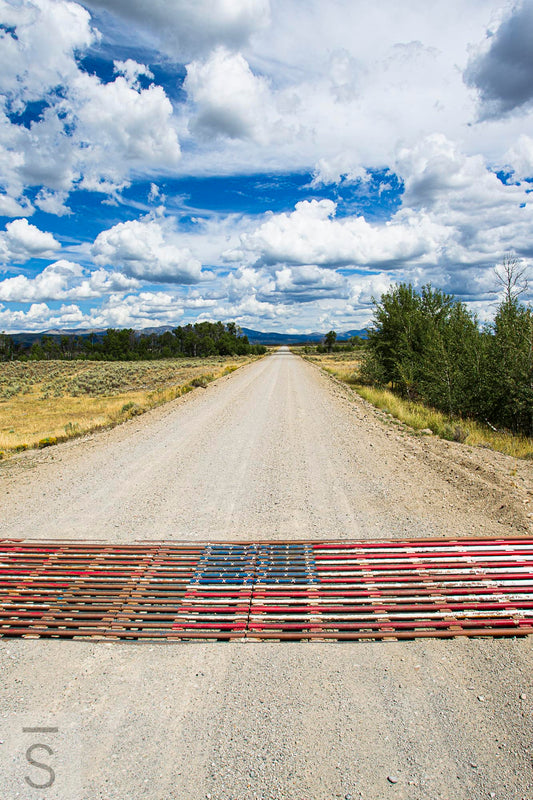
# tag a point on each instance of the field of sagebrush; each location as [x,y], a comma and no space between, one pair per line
[42,402]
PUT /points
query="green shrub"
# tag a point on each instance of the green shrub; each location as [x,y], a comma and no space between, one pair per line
[48,441]
[201,382]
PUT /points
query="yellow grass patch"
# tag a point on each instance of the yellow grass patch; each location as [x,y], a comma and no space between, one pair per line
[344,366]
[58,399]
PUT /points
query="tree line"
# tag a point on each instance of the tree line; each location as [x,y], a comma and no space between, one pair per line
[199,340]
[331,345]
[428,346]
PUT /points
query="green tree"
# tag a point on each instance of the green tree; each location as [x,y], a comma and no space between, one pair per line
[395,340]
[510,391]
[329,340]
[452,359]
[428,346]
[509,366]
[50,347]
[7,347]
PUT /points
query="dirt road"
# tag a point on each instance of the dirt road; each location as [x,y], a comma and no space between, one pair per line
[276,450]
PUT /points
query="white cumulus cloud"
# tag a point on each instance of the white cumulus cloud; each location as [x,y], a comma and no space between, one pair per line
[121,126]
[311,235]
[483,217]
[148,250]
[40,317]
[21,241]
[64,280]
[132,70]
[229,99]
[40,54]
[142,310]
[51,284]
[88,133]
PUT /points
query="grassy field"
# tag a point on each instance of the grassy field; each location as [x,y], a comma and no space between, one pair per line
[416,416]
[43,402]
[344,366]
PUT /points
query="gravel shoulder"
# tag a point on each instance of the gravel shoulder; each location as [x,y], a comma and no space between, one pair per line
[275,450]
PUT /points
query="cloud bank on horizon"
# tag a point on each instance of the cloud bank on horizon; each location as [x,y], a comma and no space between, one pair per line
[272,162]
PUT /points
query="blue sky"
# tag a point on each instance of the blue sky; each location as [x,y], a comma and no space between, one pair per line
[274,162]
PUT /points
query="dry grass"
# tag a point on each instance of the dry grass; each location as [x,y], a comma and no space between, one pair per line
[416,416]
[59,399]
[344,366]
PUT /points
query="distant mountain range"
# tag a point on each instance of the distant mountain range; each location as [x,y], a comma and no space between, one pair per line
[254,337]
[259,337]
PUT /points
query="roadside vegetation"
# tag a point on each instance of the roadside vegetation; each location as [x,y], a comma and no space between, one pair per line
[343,365]
[428,363]
[414,415]
[44,402]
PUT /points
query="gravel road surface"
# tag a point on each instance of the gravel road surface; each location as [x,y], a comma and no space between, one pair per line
[275,450]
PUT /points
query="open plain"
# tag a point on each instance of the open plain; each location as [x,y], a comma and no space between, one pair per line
[277,450]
